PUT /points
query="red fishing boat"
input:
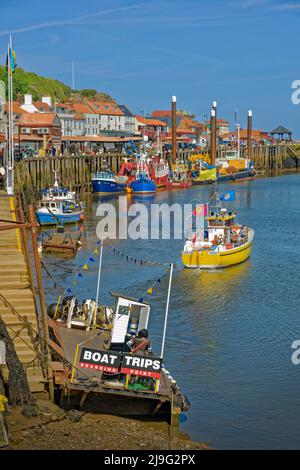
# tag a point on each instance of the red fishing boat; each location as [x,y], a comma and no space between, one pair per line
[159,171]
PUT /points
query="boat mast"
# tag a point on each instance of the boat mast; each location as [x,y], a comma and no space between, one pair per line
[213,145]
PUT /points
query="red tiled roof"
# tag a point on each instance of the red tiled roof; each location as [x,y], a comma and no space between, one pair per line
[40,105]
[82,108]
[98,138]
[16,108]
[37,119]
[110,108]
[64,105]
[150,122]
[256,134]
[23,138]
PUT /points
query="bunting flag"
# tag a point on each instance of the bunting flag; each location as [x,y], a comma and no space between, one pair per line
[133,260]
[129,259]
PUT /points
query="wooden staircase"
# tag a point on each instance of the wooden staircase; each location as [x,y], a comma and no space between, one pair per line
[15,290]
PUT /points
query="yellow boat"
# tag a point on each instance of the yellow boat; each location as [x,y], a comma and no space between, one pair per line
[221,244]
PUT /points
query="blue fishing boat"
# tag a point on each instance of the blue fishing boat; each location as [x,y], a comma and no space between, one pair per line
[52,212]
[142,183]
[58,193]
[105,182]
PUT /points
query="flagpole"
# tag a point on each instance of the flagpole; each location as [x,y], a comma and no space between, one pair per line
[8,173]
[99,273]
[167,312]
[12,124]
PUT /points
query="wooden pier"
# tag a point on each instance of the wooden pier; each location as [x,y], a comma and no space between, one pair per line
[17,300]
[32,175]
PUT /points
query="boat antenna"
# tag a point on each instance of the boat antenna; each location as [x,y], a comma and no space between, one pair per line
[55,179]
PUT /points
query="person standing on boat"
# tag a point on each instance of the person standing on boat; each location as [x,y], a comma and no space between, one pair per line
[140,344]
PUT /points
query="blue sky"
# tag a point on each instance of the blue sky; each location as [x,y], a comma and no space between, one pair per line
[244,54]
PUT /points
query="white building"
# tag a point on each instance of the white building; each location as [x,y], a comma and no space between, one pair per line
[111,118]
[91,118]
[129,120]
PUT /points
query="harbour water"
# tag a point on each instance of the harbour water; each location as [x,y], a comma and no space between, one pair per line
[230,331]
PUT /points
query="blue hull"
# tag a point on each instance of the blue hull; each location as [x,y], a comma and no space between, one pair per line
[49,219]
[142,186]
[107,187]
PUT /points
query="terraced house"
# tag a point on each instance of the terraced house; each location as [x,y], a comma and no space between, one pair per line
[91,118]
[111,117]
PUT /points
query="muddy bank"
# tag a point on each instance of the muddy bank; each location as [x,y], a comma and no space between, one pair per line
[55,429]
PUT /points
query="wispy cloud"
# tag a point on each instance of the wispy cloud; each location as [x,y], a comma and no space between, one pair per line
[271,5]
[75,20]
[286,7]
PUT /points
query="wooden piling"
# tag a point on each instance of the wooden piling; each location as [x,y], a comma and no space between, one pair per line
[174,129]
[213,137]
[249,135]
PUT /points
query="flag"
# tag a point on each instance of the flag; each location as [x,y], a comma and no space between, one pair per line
[85,266]
[12,61]
[229,196]
[91,259]
[96,251]
[150,291]
[201,209]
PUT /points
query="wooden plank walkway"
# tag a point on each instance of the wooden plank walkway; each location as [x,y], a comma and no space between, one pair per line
[15,288]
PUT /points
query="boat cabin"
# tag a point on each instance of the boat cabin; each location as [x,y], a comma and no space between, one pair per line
[131,316]
[57,206]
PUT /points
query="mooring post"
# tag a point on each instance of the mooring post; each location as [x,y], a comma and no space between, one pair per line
[38,271]
[249,135]
[213,137]
[174,128]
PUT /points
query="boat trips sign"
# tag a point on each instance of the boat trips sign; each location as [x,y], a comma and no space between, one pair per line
[110,361]
[106,361]
[145,366]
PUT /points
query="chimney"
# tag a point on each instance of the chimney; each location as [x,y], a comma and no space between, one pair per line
[28,99]
[47,100]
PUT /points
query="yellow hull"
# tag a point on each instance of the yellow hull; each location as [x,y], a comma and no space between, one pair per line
[210,259]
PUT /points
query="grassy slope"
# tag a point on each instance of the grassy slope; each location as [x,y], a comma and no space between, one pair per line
[38,86]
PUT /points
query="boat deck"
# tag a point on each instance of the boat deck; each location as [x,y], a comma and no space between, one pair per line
[61,243]
[90,379]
